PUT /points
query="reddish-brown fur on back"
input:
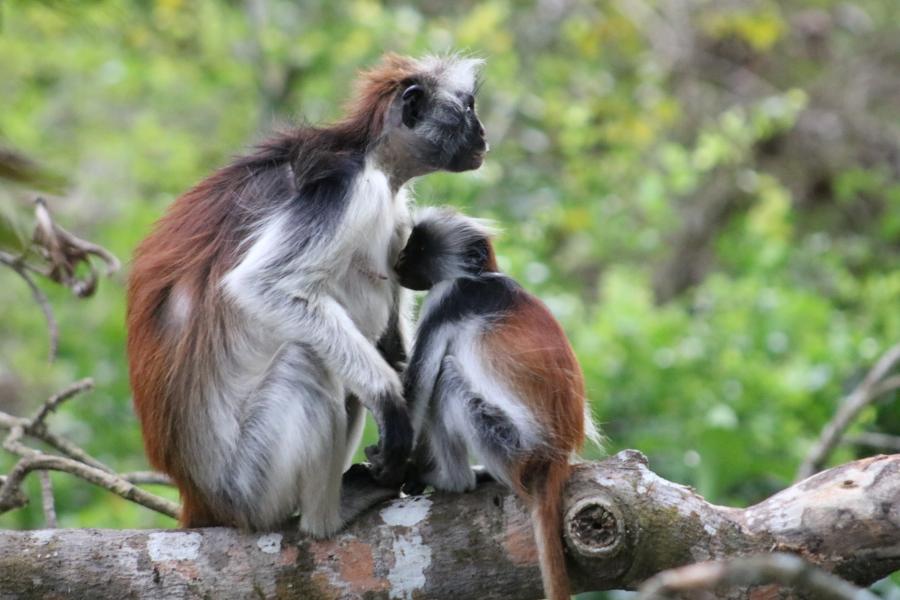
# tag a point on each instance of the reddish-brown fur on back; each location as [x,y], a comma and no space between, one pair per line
[194,245]
[531,352]
[530,349]
[191,247]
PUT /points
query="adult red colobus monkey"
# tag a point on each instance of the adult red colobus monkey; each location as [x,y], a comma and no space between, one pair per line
[491,373]
[263,313]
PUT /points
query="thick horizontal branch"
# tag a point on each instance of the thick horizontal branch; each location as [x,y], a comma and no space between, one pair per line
[623,524]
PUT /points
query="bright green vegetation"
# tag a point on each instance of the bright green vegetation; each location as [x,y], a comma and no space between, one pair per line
[708,200]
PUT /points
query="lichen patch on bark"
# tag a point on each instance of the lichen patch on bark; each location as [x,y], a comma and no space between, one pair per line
[270,543]
[168,546]
[411,559]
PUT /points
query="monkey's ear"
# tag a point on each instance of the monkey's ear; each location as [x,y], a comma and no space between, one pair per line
[412,104]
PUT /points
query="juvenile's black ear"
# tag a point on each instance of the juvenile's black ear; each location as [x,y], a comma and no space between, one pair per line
[413,99]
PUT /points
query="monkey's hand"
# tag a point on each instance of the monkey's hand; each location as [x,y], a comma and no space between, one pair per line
[389,458]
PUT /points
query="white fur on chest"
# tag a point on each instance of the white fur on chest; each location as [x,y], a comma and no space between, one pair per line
[379,221]
[354,266]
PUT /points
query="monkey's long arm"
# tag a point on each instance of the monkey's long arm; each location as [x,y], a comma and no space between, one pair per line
[328,329]
[393,344]
[290,292]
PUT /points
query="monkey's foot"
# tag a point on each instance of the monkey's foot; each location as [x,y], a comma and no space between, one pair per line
[360,491]
[482,475]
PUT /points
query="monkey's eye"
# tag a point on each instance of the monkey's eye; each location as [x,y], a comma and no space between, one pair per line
[470,102]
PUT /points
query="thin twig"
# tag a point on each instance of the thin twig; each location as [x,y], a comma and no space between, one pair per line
[56,399]
[881,441]
[47,499]
[887,385]
[39,297]
[16,498]
[147,478]
[77,463]
[9,491]
[701,580]
[55,441]
[872,386]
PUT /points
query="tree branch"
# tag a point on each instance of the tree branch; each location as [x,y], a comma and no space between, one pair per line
[77,462]
[57,399]
[623,524]
[882,441]
[60,254]
[109,481]
[39,298]
[873,385]
[47,502]
[761,570]
[147,478]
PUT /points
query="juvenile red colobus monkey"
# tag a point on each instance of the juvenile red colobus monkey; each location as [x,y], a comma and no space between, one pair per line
[263,313]
[491,374]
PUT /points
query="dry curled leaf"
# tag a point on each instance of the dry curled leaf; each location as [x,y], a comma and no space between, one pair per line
[64,251]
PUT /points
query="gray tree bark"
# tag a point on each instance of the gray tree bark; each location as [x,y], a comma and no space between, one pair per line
[623,523]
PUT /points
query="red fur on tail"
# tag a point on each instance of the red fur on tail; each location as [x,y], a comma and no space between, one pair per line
[546,509]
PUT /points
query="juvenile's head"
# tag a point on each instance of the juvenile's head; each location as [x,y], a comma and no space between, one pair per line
[422,113]
[445,244]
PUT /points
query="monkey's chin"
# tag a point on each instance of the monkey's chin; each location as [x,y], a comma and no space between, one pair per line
[469,163]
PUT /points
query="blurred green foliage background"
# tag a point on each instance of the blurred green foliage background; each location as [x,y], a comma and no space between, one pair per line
[707,194]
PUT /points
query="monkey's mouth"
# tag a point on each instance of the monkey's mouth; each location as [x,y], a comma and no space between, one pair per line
[469,158]
[480,153]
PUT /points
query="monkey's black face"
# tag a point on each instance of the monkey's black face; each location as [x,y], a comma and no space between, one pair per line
[472,146]
[414,266]
[412,278]
[445,129]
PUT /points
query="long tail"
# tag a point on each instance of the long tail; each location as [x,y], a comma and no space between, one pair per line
[546,513]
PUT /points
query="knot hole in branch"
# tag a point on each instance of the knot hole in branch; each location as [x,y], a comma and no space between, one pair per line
[594,528]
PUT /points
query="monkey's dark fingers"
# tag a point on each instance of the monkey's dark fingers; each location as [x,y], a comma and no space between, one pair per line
[380,470]
[373,453]
[414,488]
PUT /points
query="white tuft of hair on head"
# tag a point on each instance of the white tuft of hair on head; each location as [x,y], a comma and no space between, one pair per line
[455,71]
